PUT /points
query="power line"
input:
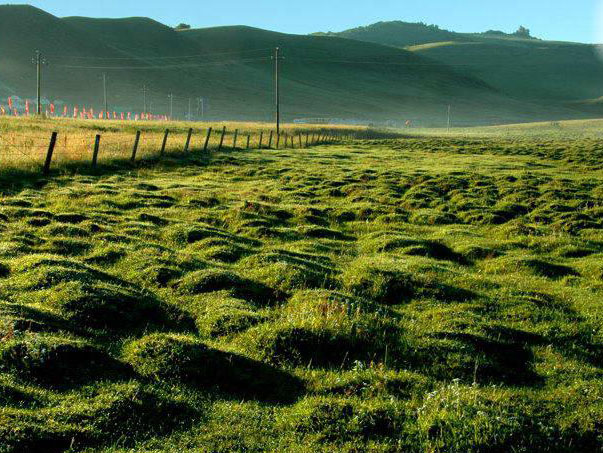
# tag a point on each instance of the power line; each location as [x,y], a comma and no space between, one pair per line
[206,54]
[176,66]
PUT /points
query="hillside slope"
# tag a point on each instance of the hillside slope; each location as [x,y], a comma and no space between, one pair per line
[523,68]
[231,68]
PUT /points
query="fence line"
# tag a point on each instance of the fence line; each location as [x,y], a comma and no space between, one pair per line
[104,147]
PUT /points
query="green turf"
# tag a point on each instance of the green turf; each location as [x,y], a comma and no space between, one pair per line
[436,293]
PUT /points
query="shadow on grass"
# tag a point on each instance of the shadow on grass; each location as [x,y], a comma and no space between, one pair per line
[483,360]
[15,179]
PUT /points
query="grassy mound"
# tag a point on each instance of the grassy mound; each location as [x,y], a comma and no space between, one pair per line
[112,307]
[331,419]
[433,217]
[100,415]
[533,266]
[90,298]
[219,314]
[184,358]
[57,361]
[472,358]
[384,242]
[394,281]
[191,234]
[223,250]
[210,280]
[324,329]
[289,271]
[369,383]
[17,318]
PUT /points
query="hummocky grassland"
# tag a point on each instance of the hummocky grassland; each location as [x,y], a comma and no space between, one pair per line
[435,293]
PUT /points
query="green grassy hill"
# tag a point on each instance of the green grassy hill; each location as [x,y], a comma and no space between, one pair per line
[231,68]
[546,72]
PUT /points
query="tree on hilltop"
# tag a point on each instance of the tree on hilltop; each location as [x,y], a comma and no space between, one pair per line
[523,32]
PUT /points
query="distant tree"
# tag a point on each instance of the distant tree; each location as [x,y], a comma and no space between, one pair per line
[495,32]
[523,32]
[183,27]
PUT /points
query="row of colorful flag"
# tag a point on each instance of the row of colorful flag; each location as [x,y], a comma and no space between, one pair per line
[81,113]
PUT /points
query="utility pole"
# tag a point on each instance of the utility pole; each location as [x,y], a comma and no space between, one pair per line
[201,108]
[105,93]
[171,98]
[144,98]
[277,93]
[38,60]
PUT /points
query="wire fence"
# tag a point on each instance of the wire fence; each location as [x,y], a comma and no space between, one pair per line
[42,150]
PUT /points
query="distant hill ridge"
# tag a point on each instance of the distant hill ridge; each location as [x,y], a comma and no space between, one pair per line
[402,34]
[517,64]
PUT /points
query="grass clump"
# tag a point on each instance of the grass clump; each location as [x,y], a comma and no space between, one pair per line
[379,279]
[186,359]
[94,417]
[395,281]
[91,298]
[533,266]
[324,329]
[386,242]
[105,306]
[56,360]
[219,315]
[211,280]
[339,421]
[289,271]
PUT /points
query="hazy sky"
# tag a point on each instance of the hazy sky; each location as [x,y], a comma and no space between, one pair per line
[575,20]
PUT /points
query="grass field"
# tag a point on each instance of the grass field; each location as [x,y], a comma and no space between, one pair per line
[24,142]
[433,293]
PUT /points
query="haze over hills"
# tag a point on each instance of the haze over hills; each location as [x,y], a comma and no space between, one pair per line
[322,76]
[517,64]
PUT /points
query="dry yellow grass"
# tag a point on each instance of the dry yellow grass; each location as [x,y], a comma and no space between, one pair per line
[24,141]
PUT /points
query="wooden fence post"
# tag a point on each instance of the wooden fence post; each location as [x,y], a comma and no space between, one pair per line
[278,140]
[261,137]
[234,140]
[96,148]
[306,139]
[270,140]
[53,142]
[164,143]
[222,138]
[135,147]
[207,140]
[187,144]
[300,140]
[248,140]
